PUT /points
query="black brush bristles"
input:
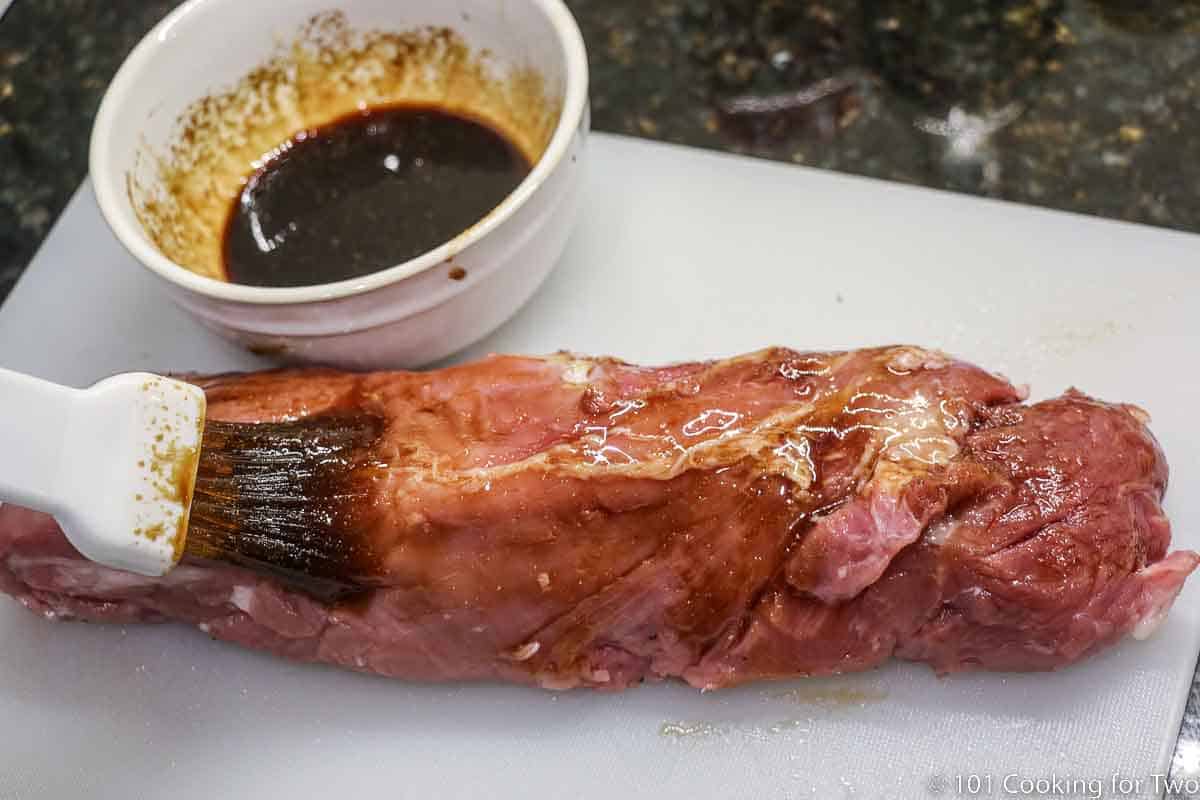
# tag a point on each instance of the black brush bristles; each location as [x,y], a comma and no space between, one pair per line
[288,498]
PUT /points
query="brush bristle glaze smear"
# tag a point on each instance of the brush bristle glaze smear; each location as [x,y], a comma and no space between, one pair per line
[288,498]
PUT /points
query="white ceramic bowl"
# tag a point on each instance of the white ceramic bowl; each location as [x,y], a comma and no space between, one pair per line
[406,315]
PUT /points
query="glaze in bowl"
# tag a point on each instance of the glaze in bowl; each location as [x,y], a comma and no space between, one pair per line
[219,82]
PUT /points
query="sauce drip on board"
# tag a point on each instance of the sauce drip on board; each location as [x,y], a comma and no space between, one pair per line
[366,192]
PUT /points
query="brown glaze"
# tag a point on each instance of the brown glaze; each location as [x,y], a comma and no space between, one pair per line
[365,192]
[181,192]
[290,499]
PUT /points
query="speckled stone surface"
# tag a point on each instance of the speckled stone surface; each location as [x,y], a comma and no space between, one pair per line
[1084,105]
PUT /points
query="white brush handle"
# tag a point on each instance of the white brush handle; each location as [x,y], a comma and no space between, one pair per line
[114,464]
[34,418]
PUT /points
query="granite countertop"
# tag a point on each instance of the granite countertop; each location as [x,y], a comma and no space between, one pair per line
[1083,105]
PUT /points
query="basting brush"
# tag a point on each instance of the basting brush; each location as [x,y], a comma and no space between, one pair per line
[137,478]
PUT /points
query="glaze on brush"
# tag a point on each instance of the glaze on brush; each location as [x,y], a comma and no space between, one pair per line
[288,498]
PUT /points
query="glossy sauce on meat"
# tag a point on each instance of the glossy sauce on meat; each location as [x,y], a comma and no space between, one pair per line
[366,192]
[571,521]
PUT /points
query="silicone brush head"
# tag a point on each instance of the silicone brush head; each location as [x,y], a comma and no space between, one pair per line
[289,498]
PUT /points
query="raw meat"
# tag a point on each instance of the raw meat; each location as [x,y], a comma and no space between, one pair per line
[569,521]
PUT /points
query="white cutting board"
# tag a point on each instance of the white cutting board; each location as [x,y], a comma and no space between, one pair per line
[679,254]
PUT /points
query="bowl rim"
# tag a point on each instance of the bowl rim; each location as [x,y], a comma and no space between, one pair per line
[133,238]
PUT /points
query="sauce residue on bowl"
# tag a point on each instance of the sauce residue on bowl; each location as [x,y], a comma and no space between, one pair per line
[365,192]
[329,73]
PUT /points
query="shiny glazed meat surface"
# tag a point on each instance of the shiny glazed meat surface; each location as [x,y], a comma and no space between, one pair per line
[567,521]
